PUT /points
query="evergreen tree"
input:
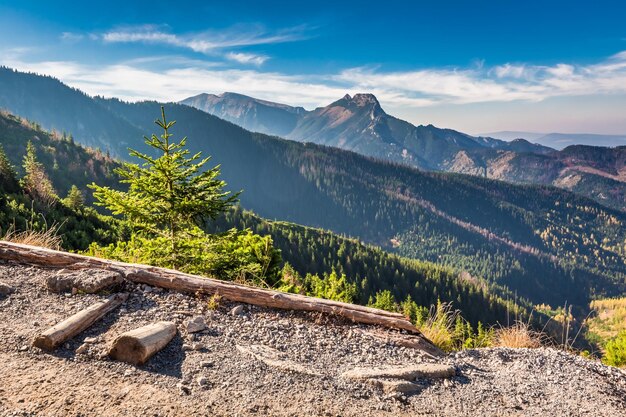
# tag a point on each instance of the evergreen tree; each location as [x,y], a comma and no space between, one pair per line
[75,199]
[8,177]
[35,181]
[169,196]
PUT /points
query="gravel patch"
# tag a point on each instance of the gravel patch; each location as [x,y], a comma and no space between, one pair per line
[247,360]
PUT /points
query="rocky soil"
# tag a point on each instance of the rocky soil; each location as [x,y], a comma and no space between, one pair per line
[244,360]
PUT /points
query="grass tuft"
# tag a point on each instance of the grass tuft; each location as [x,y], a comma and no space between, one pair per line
[519,335]
[439,326]
[44,238]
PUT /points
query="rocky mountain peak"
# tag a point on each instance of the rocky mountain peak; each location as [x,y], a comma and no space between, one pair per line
[365,99]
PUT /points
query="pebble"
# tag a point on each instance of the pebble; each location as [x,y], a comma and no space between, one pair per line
[183,389]
[237,310]
[196,324]
[202,381]
[82,349]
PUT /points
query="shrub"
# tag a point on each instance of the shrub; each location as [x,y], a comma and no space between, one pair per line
[615,350]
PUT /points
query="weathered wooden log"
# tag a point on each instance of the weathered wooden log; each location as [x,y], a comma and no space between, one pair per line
[137,346]
[75,324]
[178,281]
[406,340]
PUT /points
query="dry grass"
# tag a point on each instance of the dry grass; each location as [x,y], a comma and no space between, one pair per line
[214,301]
[519,335]
[47,239]
[439,327]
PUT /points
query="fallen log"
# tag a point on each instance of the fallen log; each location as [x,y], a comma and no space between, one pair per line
[137,346]
[75,324]
[179,281]
[405,340]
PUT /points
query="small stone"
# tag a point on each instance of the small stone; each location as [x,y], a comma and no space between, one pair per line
[184,390]
[197,324]
[128,372]
[198,346]
[202,381]
[206,364]
[23,348]
[82,348]
[124,392]
[237,310]
[187,347]
[91,340]
[447,383]
[6,289]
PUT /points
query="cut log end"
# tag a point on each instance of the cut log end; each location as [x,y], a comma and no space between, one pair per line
[129,349]
[139,345]
[44,342]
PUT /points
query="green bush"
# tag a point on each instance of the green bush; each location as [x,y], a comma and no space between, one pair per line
[236,255]
[615,350]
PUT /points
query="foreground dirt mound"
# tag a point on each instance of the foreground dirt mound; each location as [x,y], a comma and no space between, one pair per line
[246,360]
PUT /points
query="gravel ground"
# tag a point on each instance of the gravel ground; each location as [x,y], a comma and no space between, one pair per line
[208,373]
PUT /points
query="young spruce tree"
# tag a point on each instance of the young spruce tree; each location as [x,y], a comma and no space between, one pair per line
[169,196]
[35,181]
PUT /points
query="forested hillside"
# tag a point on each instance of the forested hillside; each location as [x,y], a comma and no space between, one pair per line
[547,244]
[56,106]
[67,162]
[309,251]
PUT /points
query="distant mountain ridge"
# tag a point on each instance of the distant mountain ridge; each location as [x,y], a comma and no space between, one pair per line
[360,124]
[563,140]
[250,113]
[356,123]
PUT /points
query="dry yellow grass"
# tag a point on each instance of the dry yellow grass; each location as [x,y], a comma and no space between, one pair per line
[519,335]
[439,327]
[47,239]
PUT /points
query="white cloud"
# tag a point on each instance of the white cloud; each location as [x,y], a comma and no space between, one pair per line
[204,42]
[173,78]
[511,70]
[244,58]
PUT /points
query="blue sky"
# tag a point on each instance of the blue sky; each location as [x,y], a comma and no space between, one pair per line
[476,66]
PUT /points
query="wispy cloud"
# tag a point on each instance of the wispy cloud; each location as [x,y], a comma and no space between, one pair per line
[175,78]
[245,58]
[502,83]
[71,37]
[209,42]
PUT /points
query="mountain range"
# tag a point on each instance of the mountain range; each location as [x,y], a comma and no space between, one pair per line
[547,244]
[360,124]
[562,140]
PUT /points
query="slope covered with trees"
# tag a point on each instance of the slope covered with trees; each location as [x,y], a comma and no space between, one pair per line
[547,244]
[316,256]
